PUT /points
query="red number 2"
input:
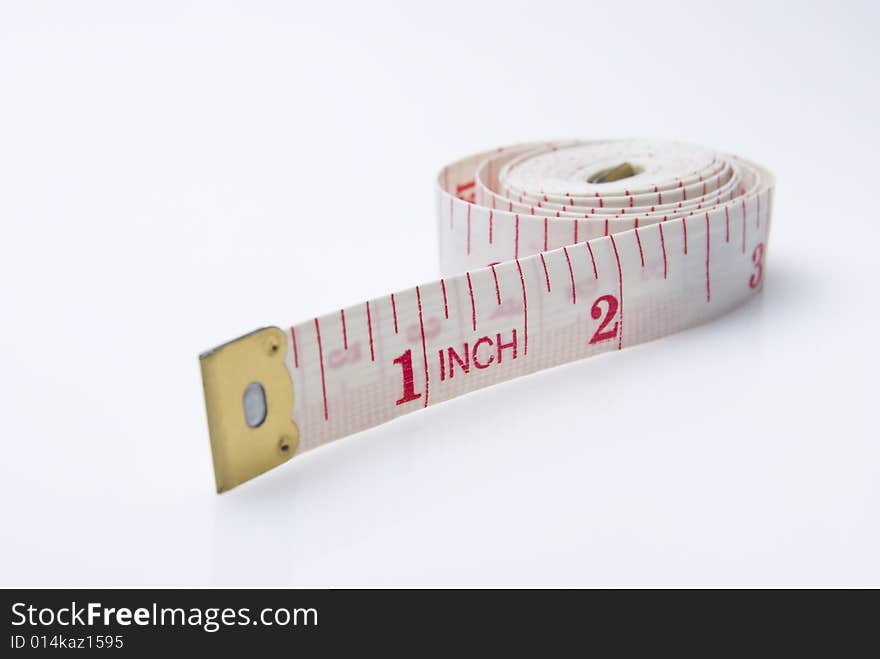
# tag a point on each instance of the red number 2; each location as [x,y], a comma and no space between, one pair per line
[758,261]
[596,311]
[409,389]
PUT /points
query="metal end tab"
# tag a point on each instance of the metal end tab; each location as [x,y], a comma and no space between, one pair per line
[241,447]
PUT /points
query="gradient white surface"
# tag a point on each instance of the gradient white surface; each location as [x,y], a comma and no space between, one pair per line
[155,156]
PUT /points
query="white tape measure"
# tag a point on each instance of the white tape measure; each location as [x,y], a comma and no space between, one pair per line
[554,252]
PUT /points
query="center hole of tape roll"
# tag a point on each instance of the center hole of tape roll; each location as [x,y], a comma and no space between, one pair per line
[254,403]
[615,173]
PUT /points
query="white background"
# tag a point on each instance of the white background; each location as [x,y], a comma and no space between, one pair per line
[175,174]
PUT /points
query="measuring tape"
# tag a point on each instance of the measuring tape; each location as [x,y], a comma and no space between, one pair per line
[556,252]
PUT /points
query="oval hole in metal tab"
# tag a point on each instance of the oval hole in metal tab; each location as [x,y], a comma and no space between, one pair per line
[254,403]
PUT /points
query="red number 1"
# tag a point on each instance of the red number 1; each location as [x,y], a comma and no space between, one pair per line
[409,389]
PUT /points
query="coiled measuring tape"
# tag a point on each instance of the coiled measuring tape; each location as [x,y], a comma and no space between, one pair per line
[554,252]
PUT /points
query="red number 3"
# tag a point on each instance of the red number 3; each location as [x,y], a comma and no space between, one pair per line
[758,261]
[596,312]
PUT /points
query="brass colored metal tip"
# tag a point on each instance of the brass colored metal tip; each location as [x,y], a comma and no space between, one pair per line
[623,170]
[240,450]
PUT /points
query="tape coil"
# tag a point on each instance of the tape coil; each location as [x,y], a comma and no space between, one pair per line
[543,267]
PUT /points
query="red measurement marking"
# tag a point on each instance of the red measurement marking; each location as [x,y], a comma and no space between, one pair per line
[497,288]
[546,274]
[473,306]
[639,241]
[464,186]
[545,234]
[758,261]
[431,328]
[620,279]
[516,238]
[321,360]
[469,229]
[370,333]
[575,230]
[339,358]
[295,352]
[744,225]
[708,236]
[522,282]
[663,247]
[394,312]
[593,259]
[571,274]
[684,224]
[727,224]
[506,308]
[490,222]
[344,332]
[409,387]
[424,348]
[445,302]
[601,333]
[606,226]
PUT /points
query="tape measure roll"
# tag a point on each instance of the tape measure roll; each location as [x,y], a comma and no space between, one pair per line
[554,252]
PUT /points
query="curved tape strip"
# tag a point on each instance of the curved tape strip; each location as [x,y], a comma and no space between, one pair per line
[559,251]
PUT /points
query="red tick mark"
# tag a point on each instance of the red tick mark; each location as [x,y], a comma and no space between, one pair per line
[546,273]
[295,351]
[473,306]
[424,348]
[571,274]
[522,282]
[321,360]
[370,333]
